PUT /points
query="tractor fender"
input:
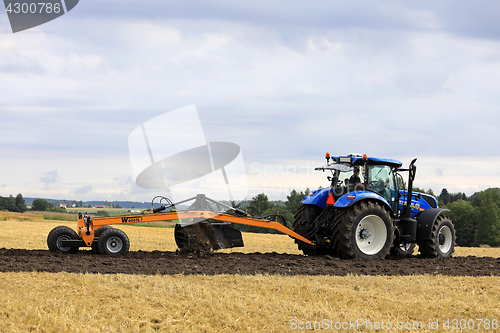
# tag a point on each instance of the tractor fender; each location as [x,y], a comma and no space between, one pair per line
[317,197]
[351,198]
[425,221]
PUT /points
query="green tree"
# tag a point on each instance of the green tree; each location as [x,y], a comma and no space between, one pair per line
[488,223]
[444,197]
[20,203]
[294,200]
[40,205]
[488,194]
[487,217]
[431,192]
[463,215]
[102,213]
[418,189]
[259,204]
[8,203]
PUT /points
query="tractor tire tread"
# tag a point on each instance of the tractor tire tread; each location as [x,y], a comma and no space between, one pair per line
[429,248]
[101,244]
[345,241]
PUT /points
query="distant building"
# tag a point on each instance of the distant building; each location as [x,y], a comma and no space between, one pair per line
[102,206]
[62,205]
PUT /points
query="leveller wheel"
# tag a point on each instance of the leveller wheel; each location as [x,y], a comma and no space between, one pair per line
[57,235]
[113,242]
[97,234]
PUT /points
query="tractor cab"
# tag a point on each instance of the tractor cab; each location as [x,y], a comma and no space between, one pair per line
[376,175]
[382,179]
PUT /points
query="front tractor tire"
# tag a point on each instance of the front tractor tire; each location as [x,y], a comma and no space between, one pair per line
[57,235]
[442,241]
[113,242]
[366,231]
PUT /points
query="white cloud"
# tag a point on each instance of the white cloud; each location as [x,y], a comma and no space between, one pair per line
[83,190]
[49,178]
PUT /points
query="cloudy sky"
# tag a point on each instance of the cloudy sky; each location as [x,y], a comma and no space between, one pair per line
[285,80]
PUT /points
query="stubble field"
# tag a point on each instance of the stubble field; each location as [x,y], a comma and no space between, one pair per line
[236,289]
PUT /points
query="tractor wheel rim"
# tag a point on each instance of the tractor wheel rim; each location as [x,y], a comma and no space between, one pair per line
[59,240]
[445,239]
[114,244]
[371,234]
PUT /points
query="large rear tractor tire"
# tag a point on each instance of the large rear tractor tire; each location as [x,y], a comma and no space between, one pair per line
[302,225]
[59,234]
[442,242]
[366,231]
[97,234]
[113,242]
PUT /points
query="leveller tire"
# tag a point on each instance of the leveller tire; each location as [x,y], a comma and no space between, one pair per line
[366,231]
[442,242]
[59,234]
[113,242]
[304,217]
[97,234]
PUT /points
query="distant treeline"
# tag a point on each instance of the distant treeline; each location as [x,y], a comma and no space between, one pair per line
[114,204]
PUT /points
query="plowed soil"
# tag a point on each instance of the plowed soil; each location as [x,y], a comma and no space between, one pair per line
[168,263]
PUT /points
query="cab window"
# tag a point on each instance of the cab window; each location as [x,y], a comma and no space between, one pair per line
[381,179]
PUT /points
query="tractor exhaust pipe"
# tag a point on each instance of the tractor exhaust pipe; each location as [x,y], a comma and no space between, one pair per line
[411,178]
[410,225]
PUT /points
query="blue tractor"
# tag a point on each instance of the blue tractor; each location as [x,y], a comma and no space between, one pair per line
[367,213]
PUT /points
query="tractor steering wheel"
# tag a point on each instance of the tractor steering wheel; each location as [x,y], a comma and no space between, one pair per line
[375,185]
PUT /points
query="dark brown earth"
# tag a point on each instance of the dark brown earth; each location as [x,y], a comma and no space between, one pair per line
[157,262]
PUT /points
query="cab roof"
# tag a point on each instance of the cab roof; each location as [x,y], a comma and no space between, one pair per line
[354,159]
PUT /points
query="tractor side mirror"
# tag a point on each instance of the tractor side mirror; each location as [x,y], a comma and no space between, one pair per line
[413,170]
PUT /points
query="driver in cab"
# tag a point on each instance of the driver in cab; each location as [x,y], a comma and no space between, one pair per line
[355,181]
